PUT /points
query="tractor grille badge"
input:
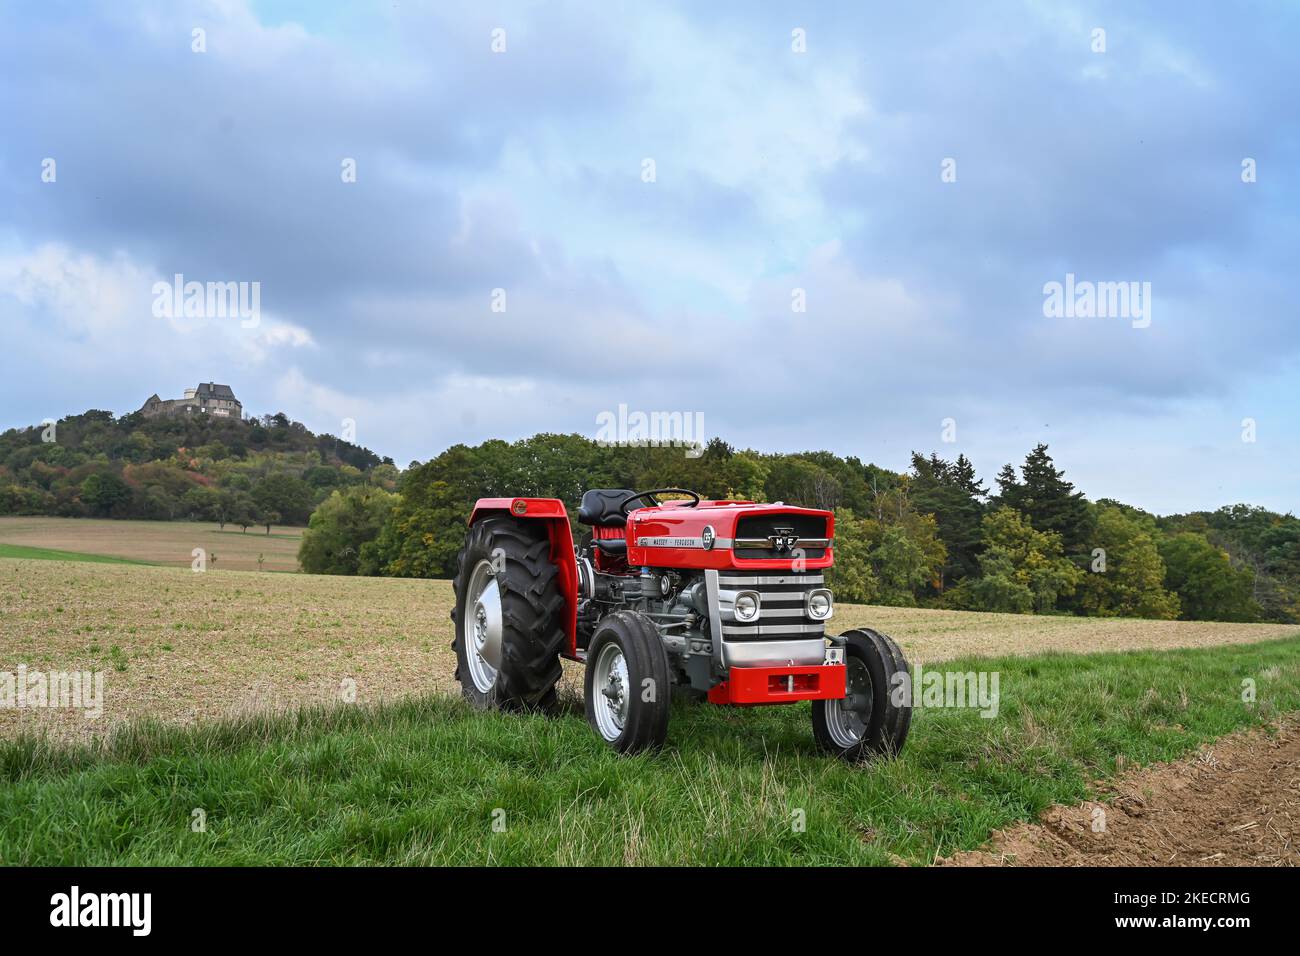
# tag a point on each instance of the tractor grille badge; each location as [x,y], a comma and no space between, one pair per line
[784,540]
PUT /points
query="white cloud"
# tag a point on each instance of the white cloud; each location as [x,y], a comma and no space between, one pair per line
[97,313]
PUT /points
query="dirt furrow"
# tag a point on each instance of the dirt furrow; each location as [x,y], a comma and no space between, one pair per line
[1236,802]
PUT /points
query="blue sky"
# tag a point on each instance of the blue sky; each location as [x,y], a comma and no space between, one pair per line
[775,170]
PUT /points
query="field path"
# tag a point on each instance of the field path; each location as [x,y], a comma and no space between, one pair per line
[1234,803]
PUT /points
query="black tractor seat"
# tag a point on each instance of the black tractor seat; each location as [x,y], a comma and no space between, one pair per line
[603,507]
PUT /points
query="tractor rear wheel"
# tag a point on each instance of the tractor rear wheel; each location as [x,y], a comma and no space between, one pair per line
[627,685]
[873,718]
[509,616]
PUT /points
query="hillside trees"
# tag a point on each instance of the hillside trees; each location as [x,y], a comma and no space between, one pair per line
[178,467]
[884,562]
[907,555]
[285,494]
[102,492]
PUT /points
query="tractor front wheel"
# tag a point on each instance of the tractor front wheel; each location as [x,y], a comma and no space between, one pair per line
[627,685]
[873,718]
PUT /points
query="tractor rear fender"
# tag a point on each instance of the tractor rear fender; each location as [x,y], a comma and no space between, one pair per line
[552,513]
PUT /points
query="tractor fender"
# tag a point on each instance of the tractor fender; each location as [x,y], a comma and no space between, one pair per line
[552,513]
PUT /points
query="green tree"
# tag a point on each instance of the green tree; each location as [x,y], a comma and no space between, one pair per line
[852,577]
[424,531]
[799,482]
[1021,568]
[951,492]
[104,491]
[341,536]
[223,508]
[201,503]
[1126,574]
[901,566]
[243,511]
[1208,586]
[289,496]
[1049,501]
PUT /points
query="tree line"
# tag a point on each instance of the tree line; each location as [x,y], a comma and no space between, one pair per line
[933,536]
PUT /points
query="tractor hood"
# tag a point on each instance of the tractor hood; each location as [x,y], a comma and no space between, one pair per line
[731,535]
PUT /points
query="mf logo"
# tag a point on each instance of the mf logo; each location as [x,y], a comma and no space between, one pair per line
[784,540]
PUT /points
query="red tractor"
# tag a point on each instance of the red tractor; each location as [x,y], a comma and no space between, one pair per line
[725,597]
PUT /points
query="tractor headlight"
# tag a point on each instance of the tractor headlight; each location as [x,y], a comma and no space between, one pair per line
[819,606]
[747,606]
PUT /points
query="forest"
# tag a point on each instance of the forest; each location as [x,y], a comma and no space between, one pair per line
[934,536]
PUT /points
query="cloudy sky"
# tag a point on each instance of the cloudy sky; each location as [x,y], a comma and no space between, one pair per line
[650,185]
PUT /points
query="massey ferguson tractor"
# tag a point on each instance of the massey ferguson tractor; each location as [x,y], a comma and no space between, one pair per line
[725,597]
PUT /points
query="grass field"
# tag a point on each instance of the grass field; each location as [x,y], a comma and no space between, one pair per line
[181,646]
[157,542]
[428,782]
[49,554]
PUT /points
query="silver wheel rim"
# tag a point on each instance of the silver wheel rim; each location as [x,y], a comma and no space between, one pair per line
[610,690]
[847,719]
[483,627]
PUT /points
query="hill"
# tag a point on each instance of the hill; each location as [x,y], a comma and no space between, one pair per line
[202,468]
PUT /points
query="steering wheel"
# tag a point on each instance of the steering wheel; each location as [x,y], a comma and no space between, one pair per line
[650,497]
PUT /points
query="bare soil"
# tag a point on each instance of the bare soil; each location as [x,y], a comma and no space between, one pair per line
[1234,803]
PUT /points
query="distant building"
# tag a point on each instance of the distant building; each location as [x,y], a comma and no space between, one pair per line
[208,399]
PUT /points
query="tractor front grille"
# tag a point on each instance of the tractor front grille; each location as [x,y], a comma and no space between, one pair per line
[783,616]
[769,536]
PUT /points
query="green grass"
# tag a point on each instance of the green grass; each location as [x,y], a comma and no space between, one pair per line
[419,782]
[49,554]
